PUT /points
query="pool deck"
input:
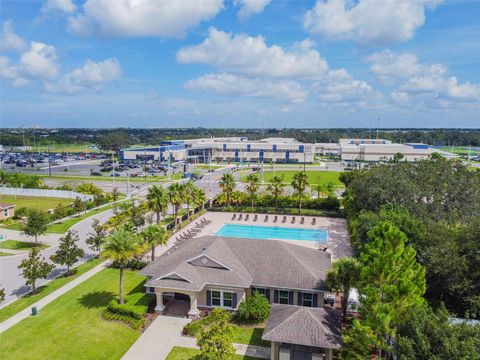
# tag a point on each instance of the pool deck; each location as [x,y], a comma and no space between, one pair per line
[338,243]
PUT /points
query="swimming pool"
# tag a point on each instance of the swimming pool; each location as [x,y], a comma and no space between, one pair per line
[273,232]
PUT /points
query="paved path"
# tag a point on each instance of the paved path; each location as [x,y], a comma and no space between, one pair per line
[165,332]
[158,340]
[50,297]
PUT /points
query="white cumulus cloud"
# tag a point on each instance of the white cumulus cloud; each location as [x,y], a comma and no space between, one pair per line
[92,75]
[340,87]
[249,55]
[40,61]
[387,65]
[367,22]
[250,7]
[64,6]
[234,85]
[142,18]
[9,40]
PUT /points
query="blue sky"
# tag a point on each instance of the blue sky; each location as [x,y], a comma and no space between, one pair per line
[240,63]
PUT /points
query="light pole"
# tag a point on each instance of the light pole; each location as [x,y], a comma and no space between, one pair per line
[113,168]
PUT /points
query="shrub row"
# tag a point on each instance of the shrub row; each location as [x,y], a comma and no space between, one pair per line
[133,323]
[125,310]
[279,211]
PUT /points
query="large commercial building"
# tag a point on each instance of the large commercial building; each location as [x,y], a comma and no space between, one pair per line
[240,149]
[381,150]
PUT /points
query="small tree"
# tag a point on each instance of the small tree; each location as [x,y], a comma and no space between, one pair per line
[122,246]
[215,342]
[342,277]
[299,185]
[34,268]
[68,251]
[115,195]
[60,211]
[97,237]
[252,187]
[98,199]
[2,295]
[254,310]
[153,236]
[275,187]
[78,205]
[37,223]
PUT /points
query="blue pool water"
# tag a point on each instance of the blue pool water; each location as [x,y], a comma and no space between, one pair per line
[272,232]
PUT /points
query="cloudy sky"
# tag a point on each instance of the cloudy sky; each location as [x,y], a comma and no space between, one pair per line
[240,63]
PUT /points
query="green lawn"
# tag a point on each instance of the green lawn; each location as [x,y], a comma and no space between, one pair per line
[314,177]
[459,150]
[249,335]
[61,227]
[5,254]
[46,289]
[71,326]
[20,245]
[37,202]
[181,353]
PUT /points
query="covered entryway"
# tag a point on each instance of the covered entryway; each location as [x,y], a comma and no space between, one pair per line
[176,304]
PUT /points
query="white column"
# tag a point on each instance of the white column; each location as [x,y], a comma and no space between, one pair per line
[160,306]
[193,313]
[274,350]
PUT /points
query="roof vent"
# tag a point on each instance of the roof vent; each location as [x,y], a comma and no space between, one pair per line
[204,248]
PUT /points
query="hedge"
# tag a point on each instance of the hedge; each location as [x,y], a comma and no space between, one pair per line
[133,323]
[125,310]
[274,211]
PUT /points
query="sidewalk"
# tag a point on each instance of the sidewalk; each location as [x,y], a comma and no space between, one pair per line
[25,313]
[165,332]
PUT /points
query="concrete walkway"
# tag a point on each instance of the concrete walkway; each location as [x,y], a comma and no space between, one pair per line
[25,313]
[165,332]
[158,340]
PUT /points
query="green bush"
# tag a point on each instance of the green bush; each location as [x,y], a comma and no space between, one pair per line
[125,310]
[254,310]
[133,323]
[193,328]
[20,212]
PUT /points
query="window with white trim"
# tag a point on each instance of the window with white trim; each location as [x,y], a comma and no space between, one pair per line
[216,298]
[307,300]
[283,297]
[227,299]
[5,212]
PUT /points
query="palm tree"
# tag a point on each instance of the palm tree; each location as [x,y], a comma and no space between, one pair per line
[121,247]
[153,236]
[157,201]
[189,188]
[252,187]
[299,184]
[276,186]
[176,196]
[320,189]
[198,197]
[329,188]
[227,184]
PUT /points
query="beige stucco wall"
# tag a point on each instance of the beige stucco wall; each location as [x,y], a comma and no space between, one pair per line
[10,213]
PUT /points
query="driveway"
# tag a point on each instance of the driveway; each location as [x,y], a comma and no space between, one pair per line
[158,340]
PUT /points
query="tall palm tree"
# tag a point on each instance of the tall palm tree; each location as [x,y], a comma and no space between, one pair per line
[252,186]
[329,188]
[176,196]
[320,189]
[189,188]
[198,197]
[121,247]
[227,184]
[153,236]
[275,187]
[157,201]
[299,185]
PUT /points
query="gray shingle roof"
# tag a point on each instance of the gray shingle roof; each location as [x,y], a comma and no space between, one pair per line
[318,327]
[254,262]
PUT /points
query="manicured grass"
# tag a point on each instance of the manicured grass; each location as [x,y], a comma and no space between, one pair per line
[250,335]
[314,177]
[61,227]
[20,245]
[459,150]
[5,254]
[36,202]
[181,353]
[46,289]
[71,327]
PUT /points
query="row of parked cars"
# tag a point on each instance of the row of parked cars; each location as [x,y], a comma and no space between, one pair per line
[24,159]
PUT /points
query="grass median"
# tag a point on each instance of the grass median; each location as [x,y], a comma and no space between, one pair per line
[71,327]
[46,289]
[62,227]
[20,245]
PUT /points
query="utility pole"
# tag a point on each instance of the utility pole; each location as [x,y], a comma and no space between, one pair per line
[113,168]
[49,162]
